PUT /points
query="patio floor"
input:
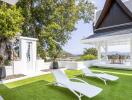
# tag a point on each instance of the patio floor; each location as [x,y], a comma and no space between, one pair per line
[103,64]
[37,89]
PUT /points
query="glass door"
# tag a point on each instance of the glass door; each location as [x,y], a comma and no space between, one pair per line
[29,56]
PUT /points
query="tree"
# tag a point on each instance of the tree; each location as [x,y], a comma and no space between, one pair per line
[90,51]
[10,24]
[52,21]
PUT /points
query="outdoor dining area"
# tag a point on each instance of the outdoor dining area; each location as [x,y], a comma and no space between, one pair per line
[117,59]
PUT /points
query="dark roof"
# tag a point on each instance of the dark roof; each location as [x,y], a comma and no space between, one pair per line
[115,19]
[113,33]
[114,13]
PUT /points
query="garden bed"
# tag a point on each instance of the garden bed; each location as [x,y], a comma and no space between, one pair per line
[48,70]
[14,76]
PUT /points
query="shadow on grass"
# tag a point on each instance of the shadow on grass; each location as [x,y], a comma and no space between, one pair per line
[97,81]
[65,94]
[32,91]
[37,91]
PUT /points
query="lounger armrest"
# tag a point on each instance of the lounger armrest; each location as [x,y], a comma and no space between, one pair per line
[61,84]
[77,79]
[102,72]
[90,74]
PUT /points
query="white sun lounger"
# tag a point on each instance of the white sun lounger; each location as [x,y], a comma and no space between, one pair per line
[78,88]
[1,98]
[102,76]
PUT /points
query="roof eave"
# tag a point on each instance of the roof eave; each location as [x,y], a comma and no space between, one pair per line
[115,38]
[115,27]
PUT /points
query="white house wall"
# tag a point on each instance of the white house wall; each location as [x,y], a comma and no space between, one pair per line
[9,70]
[34,54]
[41,65]
[22,66]
[23,51]
[19,68]
[23,57]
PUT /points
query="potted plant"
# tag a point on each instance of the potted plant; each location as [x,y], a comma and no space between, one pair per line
[55,64]
[2,68]
[54,53]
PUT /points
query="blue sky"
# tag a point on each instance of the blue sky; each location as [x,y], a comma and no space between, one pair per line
[83,30]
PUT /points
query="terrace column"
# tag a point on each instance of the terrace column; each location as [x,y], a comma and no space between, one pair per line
[131,51]
[98,46]
[106,51]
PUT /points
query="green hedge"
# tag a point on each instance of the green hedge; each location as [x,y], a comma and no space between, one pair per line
[87,57]
[91,51]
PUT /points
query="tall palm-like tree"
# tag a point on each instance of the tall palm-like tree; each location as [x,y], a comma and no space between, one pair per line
[11,21]
[5,48]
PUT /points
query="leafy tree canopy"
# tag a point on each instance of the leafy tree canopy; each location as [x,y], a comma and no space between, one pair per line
[11,21]
[52,21]
[91,51]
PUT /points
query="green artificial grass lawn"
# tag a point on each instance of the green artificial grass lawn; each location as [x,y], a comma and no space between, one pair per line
[37,88]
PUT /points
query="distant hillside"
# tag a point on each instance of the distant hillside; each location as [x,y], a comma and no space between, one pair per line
[66,54]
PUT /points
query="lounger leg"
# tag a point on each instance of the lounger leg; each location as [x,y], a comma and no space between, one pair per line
[79,97]
[103,80]
[82,75]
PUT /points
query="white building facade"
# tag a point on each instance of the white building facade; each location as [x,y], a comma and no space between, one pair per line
[112,26]
[26,52]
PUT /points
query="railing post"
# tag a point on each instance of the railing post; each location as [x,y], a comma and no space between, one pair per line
[98,47]
[106,51]
[131,51]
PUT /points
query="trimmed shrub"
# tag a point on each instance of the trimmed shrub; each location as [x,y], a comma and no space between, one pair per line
[90,51]
[87,57]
